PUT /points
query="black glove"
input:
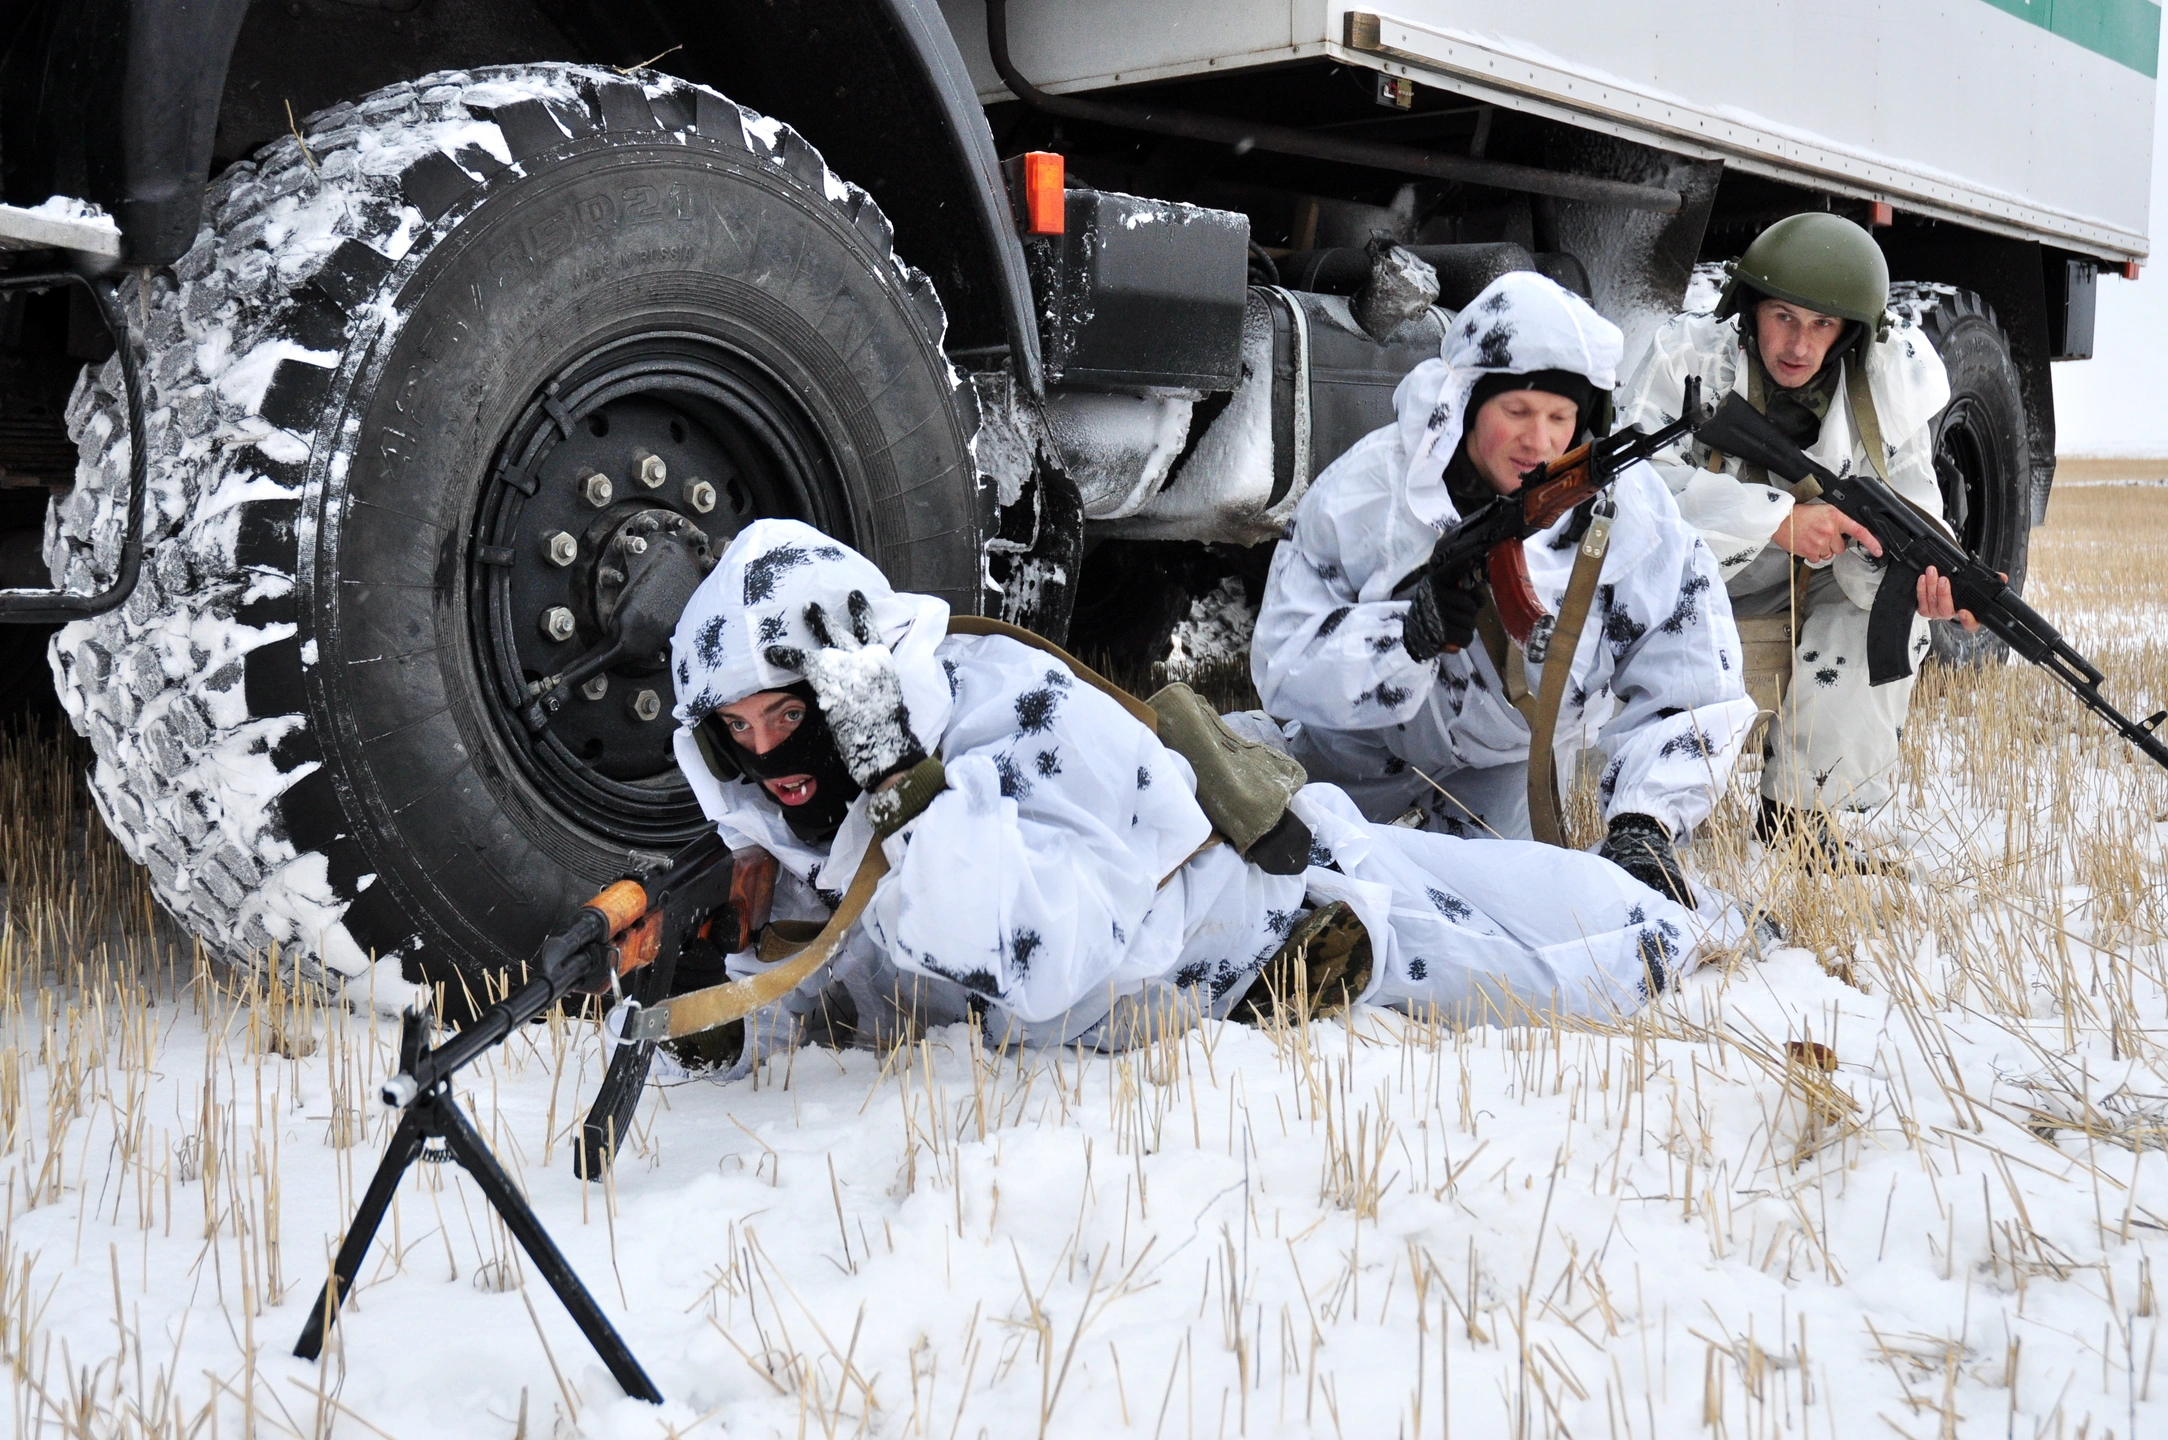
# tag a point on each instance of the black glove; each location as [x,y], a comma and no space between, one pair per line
[1639,845]
[854,678]
[1442,616]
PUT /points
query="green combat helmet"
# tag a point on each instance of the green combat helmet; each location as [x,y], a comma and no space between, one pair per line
[1821,261]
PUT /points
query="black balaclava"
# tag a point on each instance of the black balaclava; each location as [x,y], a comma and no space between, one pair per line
[810,750]
[1462,482]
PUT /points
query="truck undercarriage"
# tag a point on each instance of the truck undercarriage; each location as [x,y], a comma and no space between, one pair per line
[457,322]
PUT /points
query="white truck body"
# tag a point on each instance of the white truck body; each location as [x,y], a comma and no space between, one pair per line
[2029,118]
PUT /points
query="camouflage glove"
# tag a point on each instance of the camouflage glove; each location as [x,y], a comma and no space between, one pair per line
[854,680]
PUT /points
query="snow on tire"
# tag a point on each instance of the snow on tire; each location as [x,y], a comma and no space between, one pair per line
[296,729]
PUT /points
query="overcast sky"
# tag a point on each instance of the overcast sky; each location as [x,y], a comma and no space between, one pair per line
[2114,403]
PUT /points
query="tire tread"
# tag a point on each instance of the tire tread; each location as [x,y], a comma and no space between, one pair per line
[203,670]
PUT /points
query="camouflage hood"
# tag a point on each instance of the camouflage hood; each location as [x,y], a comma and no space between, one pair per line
[756,597]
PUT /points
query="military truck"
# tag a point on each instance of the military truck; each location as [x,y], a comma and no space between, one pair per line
[376,376]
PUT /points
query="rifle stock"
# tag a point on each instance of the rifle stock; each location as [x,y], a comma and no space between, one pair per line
[1911,542]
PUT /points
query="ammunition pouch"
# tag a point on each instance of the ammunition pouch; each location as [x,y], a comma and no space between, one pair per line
[1243,787]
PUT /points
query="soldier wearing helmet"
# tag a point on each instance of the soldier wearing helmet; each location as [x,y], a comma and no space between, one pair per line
[1802,330]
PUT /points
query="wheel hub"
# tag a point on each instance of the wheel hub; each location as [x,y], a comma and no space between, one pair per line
[636,544]
[1966,472]
[612,495]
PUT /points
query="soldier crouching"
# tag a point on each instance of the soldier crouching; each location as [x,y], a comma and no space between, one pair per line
[1392,699]
[1802,331]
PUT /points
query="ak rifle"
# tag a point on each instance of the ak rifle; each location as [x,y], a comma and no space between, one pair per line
[627,939]
[1490,535]
[1911,541]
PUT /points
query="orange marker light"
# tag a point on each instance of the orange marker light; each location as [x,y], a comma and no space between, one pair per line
[1883,214]
[2130,269]
[1045,209]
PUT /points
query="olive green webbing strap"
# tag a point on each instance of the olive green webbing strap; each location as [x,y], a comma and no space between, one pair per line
[1757,395]
[699,1010]
[1865,423]
[1546,820]
[1869,427]
[984,625]
[1505,658]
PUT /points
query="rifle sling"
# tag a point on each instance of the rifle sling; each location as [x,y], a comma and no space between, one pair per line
[1505,656]
[985,625]
[1546,820]
[1757,395]
[698,1010]
[1865,423]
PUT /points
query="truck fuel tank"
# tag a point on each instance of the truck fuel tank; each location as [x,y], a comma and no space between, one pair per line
[1313,383]
[1141,295]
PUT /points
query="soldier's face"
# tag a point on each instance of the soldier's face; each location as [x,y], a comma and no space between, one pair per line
[1794,340]
[760,723]
[1517,431]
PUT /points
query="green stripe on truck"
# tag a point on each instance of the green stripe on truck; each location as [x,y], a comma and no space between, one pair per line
[2126,31]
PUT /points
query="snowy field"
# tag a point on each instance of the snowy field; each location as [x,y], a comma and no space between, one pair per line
[1908,1177]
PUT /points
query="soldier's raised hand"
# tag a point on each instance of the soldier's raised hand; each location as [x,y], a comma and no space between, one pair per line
[855,682]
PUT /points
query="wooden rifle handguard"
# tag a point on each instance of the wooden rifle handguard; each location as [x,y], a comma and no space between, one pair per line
[1548,492]
[635,924]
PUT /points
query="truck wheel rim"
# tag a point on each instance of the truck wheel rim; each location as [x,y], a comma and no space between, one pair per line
[545,541]
[1968,467]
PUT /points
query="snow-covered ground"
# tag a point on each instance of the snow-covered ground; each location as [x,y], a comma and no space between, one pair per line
[1678,1224]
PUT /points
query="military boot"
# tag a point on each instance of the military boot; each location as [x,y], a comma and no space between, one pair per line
[1641,846]
[1321,969]
[1808,839]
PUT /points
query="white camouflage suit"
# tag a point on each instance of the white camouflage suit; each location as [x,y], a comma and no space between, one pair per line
[1834,743]
[1328,655]
[1060,877]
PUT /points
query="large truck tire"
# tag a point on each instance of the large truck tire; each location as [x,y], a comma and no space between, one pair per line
[382,387]
[1982,450]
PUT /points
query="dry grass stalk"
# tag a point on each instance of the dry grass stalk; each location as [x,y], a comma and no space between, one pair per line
[1503,1213]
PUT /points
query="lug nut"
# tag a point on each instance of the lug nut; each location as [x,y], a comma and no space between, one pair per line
[596,688]
[635,544]
[649,467]
[700,495]
[646,705]
[563,549]
[558,624]
[595,488]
